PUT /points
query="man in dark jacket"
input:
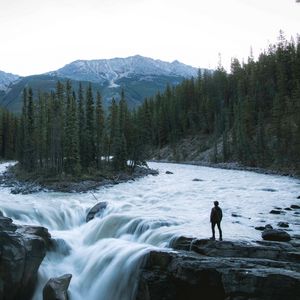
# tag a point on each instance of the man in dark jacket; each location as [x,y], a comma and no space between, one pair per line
[216,218]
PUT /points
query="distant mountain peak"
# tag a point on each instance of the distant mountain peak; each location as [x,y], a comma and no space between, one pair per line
[110,70]
[6,79]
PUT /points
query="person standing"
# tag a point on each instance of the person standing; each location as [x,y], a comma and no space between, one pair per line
[216,218]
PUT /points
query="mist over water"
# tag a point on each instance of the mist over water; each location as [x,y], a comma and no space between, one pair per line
[105,255]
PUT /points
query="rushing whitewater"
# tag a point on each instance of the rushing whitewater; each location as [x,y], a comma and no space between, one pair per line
[105,255]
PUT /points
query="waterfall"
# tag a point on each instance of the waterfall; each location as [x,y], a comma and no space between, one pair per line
[106,254]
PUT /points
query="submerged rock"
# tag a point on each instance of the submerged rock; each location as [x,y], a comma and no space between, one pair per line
[275,212]
[294,206]
[169,172]
[22,249]
[283,224]
[235,215]
[197,179]
[261,228]
[60,246]
[211,270]
[57,288]
[275,235]
[96,210]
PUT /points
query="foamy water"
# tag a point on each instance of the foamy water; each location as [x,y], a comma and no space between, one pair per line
[104,256]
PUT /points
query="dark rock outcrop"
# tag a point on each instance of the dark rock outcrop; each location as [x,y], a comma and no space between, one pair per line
[96,210]
[22,249]
[211,270]
[57,288]
[169,172]
[275,235]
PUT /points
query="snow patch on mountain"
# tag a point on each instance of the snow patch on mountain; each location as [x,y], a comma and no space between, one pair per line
[103,70]
[6,79]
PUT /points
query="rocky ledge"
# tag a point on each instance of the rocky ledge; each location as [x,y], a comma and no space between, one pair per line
[22,249]
[226,270]
[20,185]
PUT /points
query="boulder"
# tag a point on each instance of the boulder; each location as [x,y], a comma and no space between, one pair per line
[283,224]
[235,270]
[260,228]
[22,250]
[298,197]
[169,172]
[57,288]
[96,210]
[275,235]
[275,212]
[287,208]
[294,206]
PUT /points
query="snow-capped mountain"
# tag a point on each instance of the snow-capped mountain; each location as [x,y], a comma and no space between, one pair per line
[111,70]
[6,79]
[140,77]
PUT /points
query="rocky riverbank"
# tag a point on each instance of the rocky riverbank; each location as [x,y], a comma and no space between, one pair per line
[22,249]
[21,184]
[227,270]
[191,269]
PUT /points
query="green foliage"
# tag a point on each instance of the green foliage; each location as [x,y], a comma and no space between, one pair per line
[250,115]
[59,134]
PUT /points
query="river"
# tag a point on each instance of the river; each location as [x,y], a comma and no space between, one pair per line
[105,255]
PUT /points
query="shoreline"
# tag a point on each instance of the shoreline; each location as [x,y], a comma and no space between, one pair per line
[68,185]
[229,166]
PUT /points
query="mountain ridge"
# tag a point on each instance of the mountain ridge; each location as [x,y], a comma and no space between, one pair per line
[140,77]
[102,70]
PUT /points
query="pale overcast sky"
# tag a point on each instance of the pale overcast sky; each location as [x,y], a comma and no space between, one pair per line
[43,35]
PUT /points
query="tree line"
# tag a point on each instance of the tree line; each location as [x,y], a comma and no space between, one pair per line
[68,131]
[251,115]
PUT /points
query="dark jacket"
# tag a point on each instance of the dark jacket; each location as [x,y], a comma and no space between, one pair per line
[216,214]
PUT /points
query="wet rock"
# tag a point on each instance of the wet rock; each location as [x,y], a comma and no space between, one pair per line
[269,190]
[268,226]
[96,210]
[261,228]
[264,249]
[275,235]
[213,270]
[22,251]
[236,215]
[197,179]
[288,208]
[275,212]
[294,206]
[60,246]
[298,197]
[57,288]
[42,232]
[169,172]
[283,224]
[278,208]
